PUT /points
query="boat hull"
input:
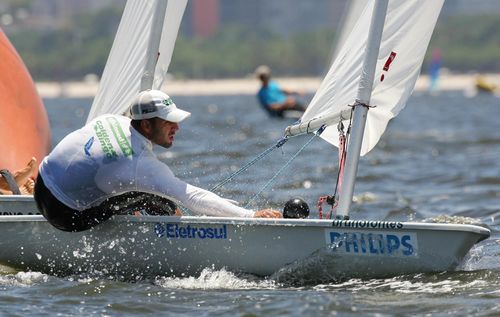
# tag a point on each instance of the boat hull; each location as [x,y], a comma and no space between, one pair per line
[24,125]
[308,250]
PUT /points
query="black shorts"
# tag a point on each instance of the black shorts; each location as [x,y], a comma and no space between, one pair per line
[281,113]
[68,219]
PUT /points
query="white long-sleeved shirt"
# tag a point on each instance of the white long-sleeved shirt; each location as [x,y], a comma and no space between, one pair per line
[108,157]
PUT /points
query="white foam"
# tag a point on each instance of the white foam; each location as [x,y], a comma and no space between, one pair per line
[214,279]
[454,220]
[23,279]
[407,286]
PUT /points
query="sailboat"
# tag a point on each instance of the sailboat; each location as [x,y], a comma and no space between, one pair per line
[351,14]
[375,74]
[482,84]
[29,137]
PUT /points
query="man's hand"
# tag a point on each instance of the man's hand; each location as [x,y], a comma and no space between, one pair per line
[289,102]
[178,212]
[268,213]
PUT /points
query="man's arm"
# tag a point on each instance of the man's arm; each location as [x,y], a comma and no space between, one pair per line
[157,178]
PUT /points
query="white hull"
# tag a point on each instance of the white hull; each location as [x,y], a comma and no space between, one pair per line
[148,246]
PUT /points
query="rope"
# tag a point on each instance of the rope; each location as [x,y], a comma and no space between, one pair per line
[343,140]
[242,169]
[317,133]
[252,162]
[340,174]
[9,179]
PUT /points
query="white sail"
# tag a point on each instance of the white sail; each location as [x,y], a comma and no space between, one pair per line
[128,58]
[406,35]
[353,11]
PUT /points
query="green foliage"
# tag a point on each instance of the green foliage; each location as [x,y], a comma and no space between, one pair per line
[236,52]
[467,43]
[72,52]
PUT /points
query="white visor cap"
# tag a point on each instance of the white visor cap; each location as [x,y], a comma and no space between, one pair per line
[154,103]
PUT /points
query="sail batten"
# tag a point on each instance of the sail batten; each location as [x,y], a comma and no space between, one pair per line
[405,37]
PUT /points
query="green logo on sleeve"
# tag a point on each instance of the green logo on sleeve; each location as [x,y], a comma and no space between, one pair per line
[120,137]
[104,140]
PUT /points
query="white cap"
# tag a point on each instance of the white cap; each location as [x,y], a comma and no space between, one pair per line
[262,70]
[154,103]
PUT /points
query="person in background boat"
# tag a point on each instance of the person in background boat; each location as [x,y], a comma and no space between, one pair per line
[21,182]
[109,167]
[276,100]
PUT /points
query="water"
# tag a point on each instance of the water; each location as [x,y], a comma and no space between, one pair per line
[439,160]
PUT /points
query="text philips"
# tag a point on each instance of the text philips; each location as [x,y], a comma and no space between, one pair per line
[359,243]
[176,231]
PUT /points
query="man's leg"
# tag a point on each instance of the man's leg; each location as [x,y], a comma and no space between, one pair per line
[61,216]
[67,219]
[298,106]
[151,204]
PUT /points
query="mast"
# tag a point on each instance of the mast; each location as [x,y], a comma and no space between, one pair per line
[361,107]
[154,44]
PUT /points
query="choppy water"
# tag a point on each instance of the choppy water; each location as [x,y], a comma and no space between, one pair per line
[440,159]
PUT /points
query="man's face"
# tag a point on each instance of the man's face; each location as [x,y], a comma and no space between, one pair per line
[163,132]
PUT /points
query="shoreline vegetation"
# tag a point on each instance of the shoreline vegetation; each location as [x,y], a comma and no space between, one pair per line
[247,86]
[468,45]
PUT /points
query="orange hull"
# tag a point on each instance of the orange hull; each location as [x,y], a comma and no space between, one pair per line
[24,125]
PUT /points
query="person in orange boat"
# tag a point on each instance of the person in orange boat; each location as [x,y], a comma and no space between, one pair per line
[20,182]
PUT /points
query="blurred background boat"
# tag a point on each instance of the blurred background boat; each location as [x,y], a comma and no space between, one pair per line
[24,125]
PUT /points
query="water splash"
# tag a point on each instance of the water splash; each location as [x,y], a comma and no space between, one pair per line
[483,256]
[364,198]
[453,220]
[438,283]
[210,279]
[311,270]
[23,279]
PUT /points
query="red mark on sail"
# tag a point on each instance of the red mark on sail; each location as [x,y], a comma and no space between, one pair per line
[389,61]
[388,64]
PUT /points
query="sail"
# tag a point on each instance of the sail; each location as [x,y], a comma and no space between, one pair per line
[353,11]
[128,58]
[406,35]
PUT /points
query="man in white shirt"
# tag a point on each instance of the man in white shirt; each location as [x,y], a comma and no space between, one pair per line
[109,165]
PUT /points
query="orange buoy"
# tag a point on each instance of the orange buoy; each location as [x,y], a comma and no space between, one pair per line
[24,125]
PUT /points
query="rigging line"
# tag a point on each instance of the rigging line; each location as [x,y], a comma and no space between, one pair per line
[344,158]
[278,144]
[344,152]
[340,172]
[343,140]
[252,162]
[317,133]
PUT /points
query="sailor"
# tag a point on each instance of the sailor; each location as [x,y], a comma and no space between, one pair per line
[109,166]
[20,182]
[276,100]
